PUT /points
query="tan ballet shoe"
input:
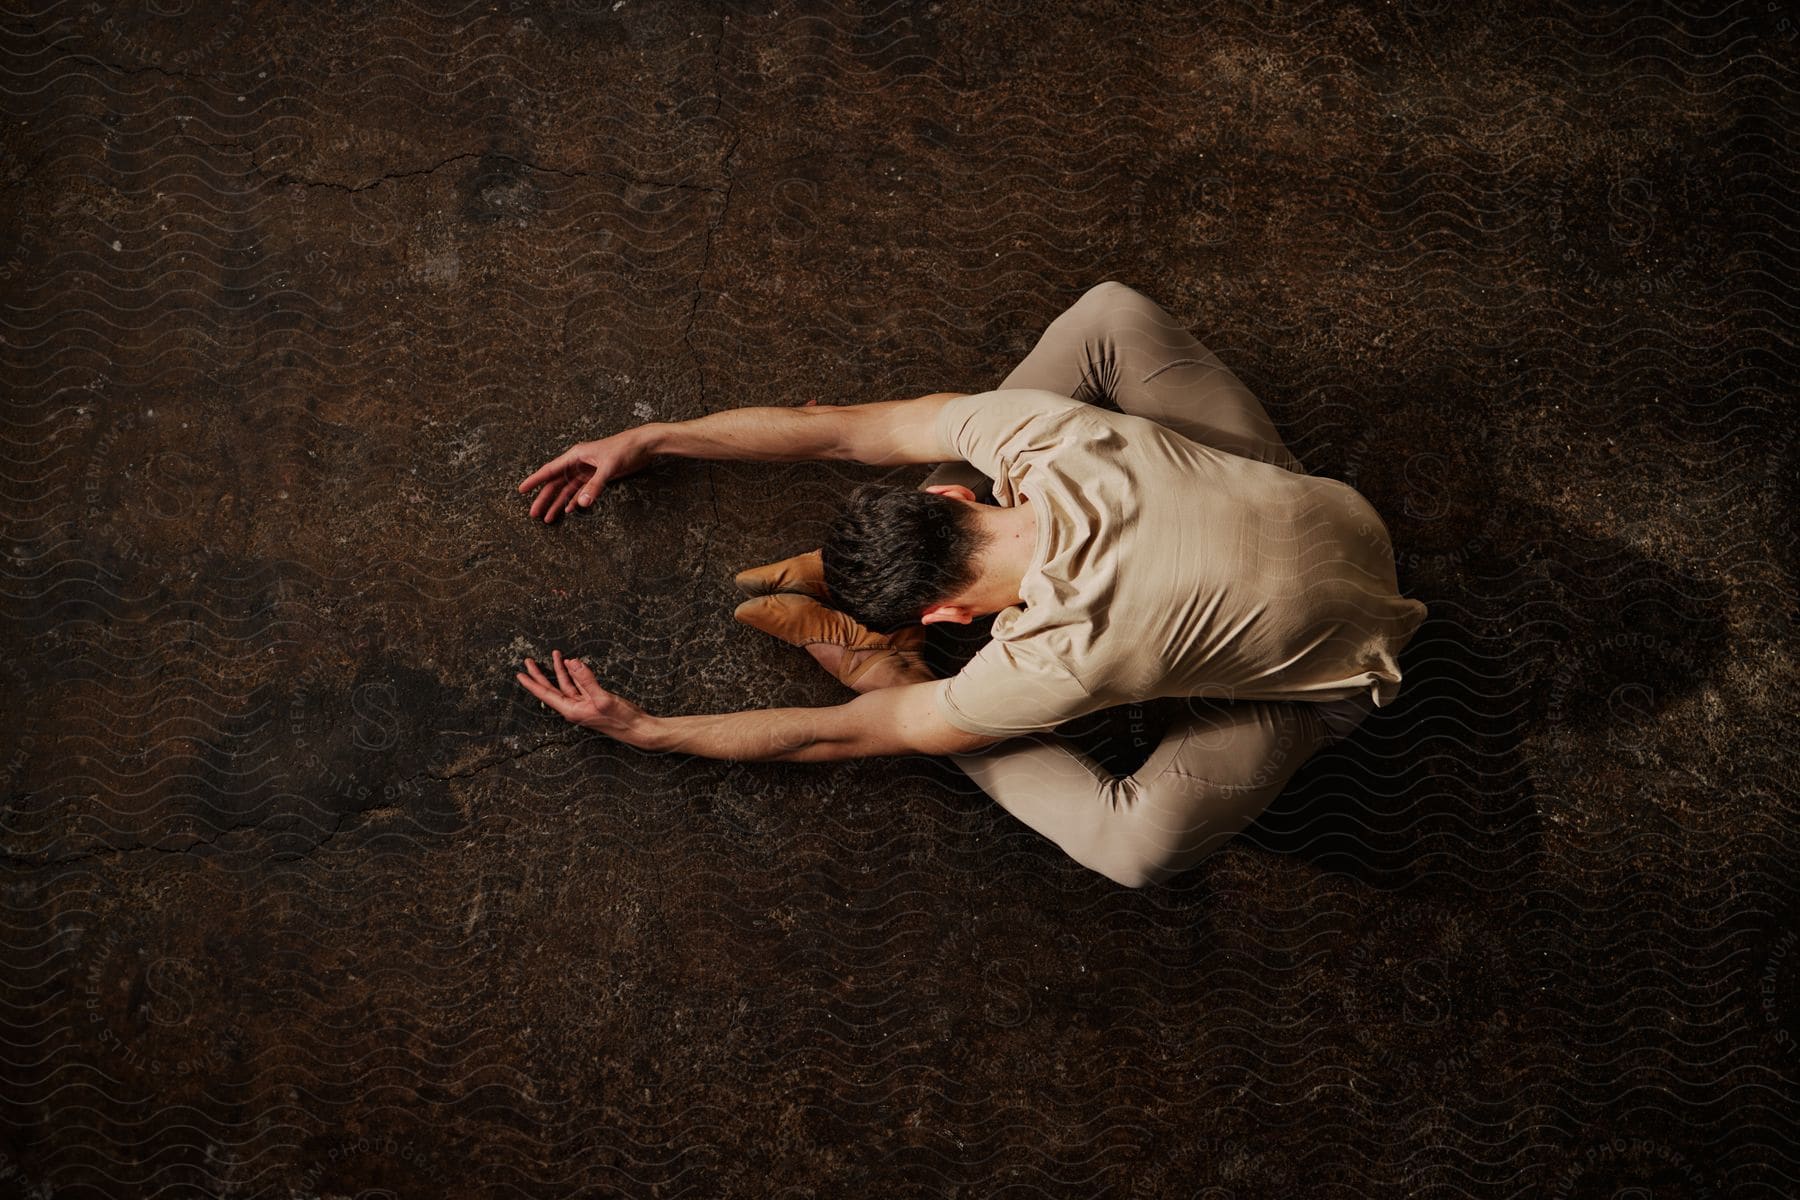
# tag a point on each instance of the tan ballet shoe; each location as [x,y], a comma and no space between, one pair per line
[803,573]
[803,621]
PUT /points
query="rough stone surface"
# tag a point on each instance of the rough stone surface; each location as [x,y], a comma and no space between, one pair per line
[303,898]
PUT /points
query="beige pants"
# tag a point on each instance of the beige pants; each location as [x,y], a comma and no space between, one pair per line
[1220,764]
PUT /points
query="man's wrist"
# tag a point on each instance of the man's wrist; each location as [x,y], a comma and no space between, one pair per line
[653,437]
[649,733]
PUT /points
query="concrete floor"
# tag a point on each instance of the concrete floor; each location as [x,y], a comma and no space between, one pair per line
[304,899]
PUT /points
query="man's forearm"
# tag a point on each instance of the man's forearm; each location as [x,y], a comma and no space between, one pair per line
[757,434]
[891,720]
[762,735]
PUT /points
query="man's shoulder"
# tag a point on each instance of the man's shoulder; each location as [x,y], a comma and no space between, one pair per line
[989,429]
[1013,686]
[1013,405]
[1037,418]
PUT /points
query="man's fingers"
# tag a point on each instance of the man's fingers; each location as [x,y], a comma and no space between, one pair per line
[559,499]
[542,500]
[585,683]
[567,498]
[549,501]
[566,481]
[537,673]
[548,471]
[544,692]
[562,674]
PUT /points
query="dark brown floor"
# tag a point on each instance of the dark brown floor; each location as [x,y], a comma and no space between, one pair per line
[303,900]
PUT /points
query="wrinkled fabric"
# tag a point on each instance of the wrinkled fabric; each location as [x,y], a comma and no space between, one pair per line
[1164,567]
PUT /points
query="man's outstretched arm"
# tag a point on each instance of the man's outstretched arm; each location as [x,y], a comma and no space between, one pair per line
[895,720]
[882,434]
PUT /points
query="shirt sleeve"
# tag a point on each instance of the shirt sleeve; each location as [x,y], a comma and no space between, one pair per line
[987,429]
[1008,690]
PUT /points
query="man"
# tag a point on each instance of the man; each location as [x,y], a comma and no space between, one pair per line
[1172,548]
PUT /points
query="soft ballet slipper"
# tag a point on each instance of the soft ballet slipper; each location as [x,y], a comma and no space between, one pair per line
[803,573]
[803,621]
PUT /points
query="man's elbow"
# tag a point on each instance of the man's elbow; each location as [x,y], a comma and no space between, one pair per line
[1134,875]
[936,742]
[828,436]
[947,739]
[862,437]
[903,720]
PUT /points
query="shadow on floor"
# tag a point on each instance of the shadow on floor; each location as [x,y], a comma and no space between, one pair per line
[1535,628]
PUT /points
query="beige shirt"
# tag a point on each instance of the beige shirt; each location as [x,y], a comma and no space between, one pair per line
[1167,568]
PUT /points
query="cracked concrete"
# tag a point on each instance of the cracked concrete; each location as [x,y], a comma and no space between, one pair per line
[306,899]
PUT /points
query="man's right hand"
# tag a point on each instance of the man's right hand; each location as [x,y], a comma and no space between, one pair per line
[577,474]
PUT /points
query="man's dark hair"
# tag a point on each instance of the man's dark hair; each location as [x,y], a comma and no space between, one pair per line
[894,550]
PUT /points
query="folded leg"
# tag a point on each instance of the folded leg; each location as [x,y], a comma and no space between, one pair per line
[1213,774]
[1117,344]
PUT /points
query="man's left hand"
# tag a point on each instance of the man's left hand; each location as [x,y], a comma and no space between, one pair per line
[578,696]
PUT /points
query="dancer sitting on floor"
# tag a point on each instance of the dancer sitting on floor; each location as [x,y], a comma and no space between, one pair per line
[1172,548]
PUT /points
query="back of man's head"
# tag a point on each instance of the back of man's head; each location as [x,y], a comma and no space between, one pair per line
[893,551]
